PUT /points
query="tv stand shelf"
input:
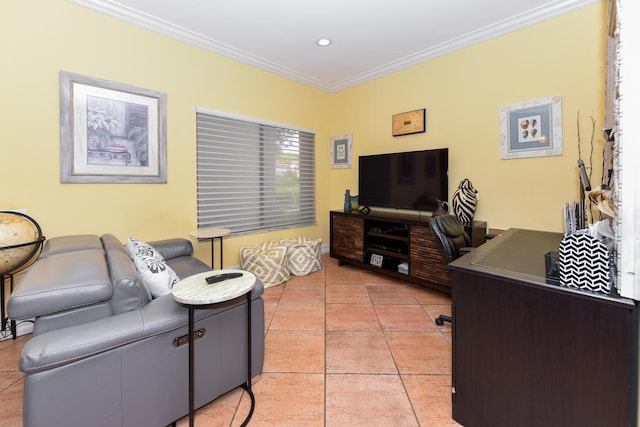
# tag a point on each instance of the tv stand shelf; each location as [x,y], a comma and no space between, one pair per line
[383,241]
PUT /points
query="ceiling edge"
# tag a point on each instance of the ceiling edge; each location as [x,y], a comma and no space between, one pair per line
[512,24]
[149,22]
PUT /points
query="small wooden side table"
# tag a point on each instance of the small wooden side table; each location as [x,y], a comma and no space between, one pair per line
[195,293]
[212,234]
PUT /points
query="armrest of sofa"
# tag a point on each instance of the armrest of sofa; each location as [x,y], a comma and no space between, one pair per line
[173,248]
[63,346]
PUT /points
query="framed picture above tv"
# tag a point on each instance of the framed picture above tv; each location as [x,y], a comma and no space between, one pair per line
[409,122]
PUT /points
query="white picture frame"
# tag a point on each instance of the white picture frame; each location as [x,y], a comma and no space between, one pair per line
[341,151]
[531,128]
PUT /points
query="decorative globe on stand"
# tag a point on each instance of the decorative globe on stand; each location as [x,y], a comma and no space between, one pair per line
[20,241]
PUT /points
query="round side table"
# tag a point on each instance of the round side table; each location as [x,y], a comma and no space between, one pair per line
[212,234]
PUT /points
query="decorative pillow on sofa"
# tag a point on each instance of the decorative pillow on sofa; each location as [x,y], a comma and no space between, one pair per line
[267,261]
[152,267]
[137,247]
[303,255]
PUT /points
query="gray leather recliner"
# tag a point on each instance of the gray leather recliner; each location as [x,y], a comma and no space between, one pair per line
[104,353]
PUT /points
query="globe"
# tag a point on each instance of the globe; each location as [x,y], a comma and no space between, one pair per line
[20,240]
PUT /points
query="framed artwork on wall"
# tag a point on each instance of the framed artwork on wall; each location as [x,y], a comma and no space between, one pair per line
[531,128]
[409,122]
[341,151]
[111,132]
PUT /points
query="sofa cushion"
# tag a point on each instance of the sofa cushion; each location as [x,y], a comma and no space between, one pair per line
[61,282]
[267,261]
[129,290]
[303,255]
[152,267]
[73,243]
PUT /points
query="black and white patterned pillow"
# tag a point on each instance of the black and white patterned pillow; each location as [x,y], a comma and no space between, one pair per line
[152,267]
[137,247]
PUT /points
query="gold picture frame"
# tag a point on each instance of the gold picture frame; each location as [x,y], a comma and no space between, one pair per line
[409,122]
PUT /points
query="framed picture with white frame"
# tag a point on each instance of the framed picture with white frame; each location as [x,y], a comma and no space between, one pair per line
[531,128]
[341,151]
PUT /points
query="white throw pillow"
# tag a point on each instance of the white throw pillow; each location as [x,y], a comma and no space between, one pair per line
[138,247]
[156,274]
[152,267]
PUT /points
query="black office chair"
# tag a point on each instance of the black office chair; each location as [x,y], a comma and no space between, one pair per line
[454,242]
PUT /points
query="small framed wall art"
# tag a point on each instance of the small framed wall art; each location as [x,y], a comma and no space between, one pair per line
[341,151]
[531,128]
[409,122]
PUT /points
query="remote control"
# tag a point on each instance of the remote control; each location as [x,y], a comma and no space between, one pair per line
[223,276]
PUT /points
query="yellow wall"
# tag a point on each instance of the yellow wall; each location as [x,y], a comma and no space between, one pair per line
[462,92]
[40,38]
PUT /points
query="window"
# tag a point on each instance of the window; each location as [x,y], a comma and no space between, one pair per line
[253,176]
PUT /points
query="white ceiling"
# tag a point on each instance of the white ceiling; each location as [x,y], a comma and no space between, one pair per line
[371,38]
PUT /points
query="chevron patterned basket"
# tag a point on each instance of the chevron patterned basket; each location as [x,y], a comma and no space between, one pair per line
[584,263]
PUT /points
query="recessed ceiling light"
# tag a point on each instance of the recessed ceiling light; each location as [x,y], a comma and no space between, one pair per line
[323,42]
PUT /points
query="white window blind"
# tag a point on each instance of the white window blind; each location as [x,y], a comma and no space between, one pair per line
[253,176]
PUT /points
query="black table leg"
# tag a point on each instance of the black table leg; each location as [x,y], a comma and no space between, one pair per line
[221,252]
[4,319]
[14,332]
[247,385]
[191,369]
[213,244]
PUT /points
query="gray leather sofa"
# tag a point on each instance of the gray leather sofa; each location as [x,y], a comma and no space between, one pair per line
[104,353]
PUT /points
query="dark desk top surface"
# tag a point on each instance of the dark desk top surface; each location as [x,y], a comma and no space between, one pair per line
[518,254]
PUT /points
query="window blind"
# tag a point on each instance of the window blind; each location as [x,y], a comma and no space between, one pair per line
[253,176]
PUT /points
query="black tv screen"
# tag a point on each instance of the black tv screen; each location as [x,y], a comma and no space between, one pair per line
[409,180]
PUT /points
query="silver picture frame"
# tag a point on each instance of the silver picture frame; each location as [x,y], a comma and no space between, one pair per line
[111,132]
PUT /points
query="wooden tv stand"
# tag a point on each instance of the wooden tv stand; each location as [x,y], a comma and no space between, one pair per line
[392,239]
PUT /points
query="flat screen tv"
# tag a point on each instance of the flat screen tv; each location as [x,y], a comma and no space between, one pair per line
[409,180]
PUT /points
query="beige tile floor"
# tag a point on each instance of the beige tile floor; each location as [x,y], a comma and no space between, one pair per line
[343,347]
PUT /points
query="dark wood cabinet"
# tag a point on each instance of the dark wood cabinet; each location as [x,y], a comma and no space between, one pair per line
[347,237]
[528,353]
[399,245]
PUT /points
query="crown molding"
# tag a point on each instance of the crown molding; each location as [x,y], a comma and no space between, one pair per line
[492,31]
[534,16]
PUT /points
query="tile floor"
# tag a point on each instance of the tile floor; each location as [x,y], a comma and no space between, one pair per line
[343,347]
